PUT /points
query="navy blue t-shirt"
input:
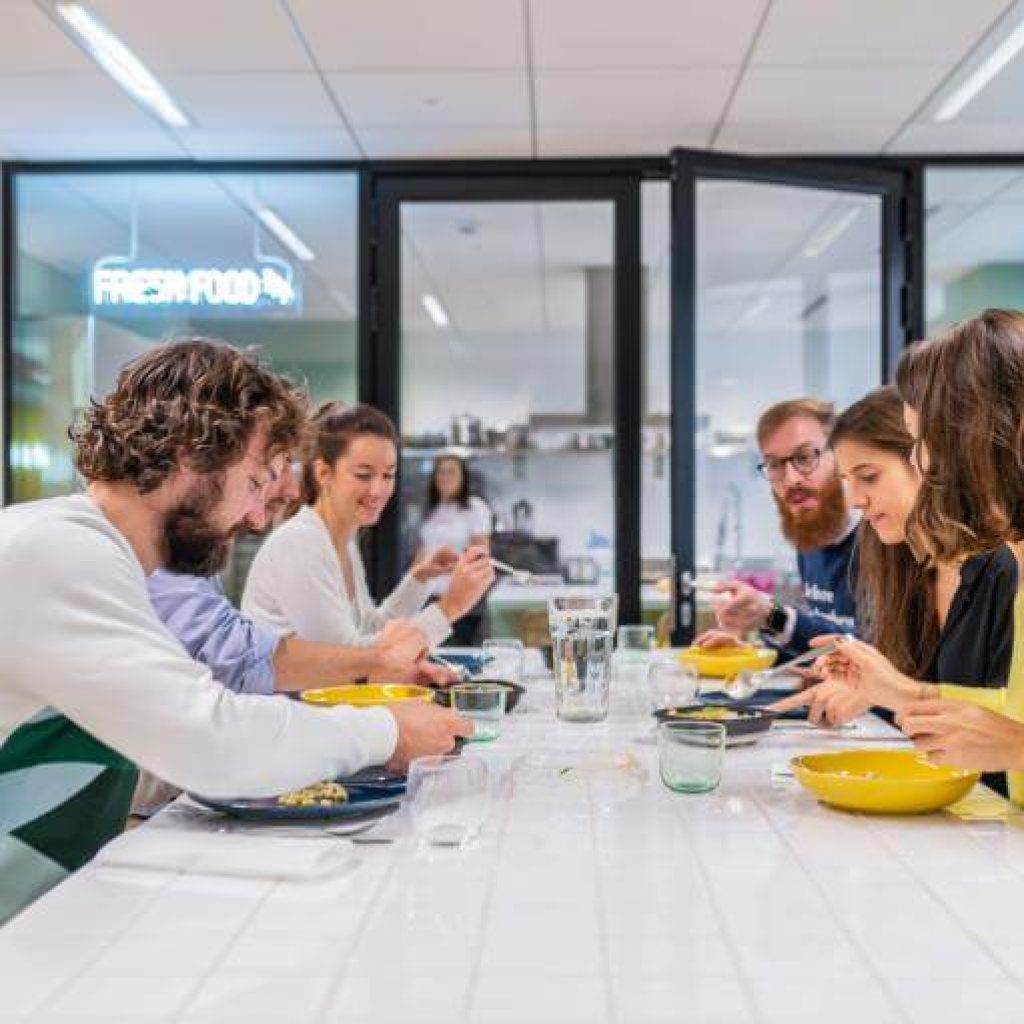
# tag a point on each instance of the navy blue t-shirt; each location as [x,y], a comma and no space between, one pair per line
[828,575]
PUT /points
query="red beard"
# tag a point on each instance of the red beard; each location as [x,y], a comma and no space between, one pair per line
[815,528]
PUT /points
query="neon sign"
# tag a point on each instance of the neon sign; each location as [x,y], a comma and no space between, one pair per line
[267,285]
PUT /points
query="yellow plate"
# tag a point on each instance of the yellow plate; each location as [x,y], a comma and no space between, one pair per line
[727,662]
[881,781]
[369,695]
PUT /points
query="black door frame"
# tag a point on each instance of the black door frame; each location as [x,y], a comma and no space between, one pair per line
[380,356]
[899,320]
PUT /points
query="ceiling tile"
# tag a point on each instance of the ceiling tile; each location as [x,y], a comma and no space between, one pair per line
[389,35]
[31,42]
[197,35]
[72,102]
[651,97]
[432,98]
[840,94]
[619,139]
[1000,100]
[326,143]
[798,136]
[875,32]
[253,101]
[643,33]
[462,141]
[959,137]
[71,144]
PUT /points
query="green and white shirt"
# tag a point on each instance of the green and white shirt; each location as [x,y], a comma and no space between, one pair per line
[92,684]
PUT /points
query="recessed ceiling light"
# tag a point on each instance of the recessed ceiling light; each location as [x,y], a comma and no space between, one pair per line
[285,234]
[828,235]
[435,310]
[122,65]
[982,75]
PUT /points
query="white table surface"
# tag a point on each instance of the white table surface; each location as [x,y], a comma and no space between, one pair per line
[753,903]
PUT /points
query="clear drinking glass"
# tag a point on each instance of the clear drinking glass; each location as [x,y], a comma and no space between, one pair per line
[582,662]
[503,659]
[484,703]
[448,798]
[671,684]
[600,613]
[633,653]
[690,755]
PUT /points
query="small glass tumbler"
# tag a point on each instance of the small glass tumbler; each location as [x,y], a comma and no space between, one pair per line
[448,797]
[633,654]
[484,704]
[582,663]
[671,684]
[503,659]
[690,755]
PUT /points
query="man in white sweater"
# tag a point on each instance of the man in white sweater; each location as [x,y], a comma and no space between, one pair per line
[178,457]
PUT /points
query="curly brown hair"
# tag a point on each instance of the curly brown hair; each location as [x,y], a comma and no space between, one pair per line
[198,398]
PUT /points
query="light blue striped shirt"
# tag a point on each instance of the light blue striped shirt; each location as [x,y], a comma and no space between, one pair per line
[196,610]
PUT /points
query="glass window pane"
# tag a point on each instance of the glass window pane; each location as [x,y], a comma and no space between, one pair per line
[974,242]
[788,304]
[108,265]
[507,330]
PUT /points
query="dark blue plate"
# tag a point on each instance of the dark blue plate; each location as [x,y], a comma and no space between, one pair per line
[363,804]
[472,663]
[760,700]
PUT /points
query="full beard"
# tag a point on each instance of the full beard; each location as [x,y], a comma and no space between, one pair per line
[193,545]
[817,528]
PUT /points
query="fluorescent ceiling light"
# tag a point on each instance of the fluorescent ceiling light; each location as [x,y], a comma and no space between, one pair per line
[435,310]
[982,75]
[285,234]
[122,65]
[831,232]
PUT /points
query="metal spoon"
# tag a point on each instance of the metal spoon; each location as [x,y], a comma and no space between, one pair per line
[518,575]
[461,672]
[748,682]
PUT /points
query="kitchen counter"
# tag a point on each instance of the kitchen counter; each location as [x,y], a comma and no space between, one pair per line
[587,901]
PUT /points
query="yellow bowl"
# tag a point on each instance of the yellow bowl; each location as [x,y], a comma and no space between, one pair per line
[727,662]
[881,781]
[369,695]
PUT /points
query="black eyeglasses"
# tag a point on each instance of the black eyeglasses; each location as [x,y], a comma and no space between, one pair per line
[805,461]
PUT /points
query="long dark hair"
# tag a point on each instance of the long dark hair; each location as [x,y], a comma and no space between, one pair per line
[434,496]
[967,387]
[334,427]
[895,590]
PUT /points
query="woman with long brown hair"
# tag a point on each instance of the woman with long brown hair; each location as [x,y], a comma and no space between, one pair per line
[963,396]
[308,578]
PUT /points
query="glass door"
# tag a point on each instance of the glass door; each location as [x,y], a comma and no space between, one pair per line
[507,307]
[787,282]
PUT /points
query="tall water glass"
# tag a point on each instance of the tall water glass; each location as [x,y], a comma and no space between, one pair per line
[503,659]
[582,663]
[600,612]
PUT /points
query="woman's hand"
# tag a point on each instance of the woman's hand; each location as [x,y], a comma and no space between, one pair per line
[471,578]
[432,564]
[963,735]
[868,673]
[828,704]
[399,647]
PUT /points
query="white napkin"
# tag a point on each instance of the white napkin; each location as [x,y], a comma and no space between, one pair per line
[225,853]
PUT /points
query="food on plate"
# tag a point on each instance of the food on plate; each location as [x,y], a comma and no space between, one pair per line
[708,714]
[321,794]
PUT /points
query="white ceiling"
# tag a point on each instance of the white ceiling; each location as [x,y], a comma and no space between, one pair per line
[449,78]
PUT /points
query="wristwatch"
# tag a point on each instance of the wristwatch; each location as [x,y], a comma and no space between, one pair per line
[778,618]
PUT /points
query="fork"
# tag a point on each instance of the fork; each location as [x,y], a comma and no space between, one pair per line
[518,575]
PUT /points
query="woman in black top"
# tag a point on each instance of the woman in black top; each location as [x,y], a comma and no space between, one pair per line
[940,622]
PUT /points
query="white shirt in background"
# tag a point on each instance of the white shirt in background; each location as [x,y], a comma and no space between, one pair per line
[449,523]
[296,585]
[78,634]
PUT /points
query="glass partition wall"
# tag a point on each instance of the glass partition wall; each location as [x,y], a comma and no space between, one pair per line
[597,348]
[107,265]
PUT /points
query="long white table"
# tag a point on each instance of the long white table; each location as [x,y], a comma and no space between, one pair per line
[589,899]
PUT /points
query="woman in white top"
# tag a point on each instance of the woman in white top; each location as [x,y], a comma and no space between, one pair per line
[457,519]
[308,577]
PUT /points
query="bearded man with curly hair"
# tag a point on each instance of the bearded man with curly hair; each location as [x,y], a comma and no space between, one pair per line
[182,454]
